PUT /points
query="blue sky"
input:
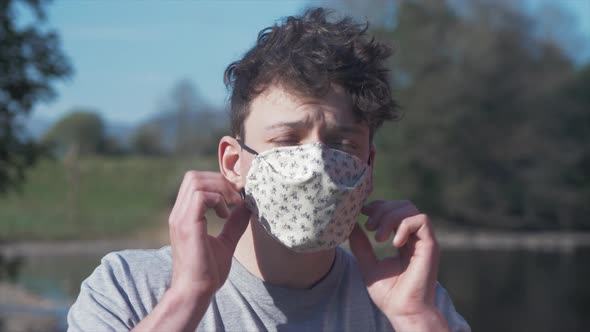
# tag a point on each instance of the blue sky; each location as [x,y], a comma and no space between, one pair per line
[127,55]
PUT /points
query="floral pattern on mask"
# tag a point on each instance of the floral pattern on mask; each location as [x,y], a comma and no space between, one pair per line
[307,197]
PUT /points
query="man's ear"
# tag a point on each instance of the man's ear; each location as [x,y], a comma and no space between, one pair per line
[229,161]
[372,165]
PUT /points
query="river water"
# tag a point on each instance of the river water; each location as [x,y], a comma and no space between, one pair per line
[504,290]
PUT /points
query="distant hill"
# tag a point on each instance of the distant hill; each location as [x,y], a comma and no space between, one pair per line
[120,132]
[201,124]
[37,126]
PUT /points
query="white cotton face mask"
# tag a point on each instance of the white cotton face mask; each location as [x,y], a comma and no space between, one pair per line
[307,197]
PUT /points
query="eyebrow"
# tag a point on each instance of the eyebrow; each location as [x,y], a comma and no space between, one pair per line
[291,125]
[302,124]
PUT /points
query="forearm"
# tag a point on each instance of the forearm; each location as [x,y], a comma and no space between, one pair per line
[177,311]
[431,321]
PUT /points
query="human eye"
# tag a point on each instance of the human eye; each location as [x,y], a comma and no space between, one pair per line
[285,141]
[343,145]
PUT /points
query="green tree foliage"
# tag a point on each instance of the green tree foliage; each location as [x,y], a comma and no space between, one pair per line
[30,61]
[575,132]
[81,128]
[496,119]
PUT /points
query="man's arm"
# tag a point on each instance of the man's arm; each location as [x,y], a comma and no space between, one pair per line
[200,262]
[200,265]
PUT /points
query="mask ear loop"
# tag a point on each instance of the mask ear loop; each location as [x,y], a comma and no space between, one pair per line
[247,148]
[250,150]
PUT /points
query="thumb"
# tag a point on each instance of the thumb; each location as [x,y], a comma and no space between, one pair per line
[235,226]
[362,250]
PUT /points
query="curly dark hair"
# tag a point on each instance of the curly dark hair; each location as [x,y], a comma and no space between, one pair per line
[308,54]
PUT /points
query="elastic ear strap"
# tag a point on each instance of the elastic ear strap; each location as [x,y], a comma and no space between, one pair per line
[250,150]
[247,148]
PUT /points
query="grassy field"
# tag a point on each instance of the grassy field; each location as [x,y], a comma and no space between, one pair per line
[112,198]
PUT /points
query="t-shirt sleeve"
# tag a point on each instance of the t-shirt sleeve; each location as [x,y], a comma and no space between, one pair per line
[103,303]
[445,305]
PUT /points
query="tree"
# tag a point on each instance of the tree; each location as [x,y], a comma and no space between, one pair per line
[31,60]
[82,128]
[147,140]
[187,124]
[484,138]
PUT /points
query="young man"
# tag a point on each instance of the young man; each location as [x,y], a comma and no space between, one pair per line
[306,102]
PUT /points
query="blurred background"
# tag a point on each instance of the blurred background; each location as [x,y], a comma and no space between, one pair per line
[104,105]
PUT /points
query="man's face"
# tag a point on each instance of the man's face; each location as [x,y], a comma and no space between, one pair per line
[278,118]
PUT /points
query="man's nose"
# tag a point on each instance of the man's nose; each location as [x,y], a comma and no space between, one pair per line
[314,135]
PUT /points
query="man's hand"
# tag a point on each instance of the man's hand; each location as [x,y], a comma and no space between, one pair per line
[403,286]
[200,262]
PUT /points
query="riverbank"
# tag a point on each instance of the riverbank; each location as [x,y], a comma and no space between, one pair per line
[476,240]
[534,241]
[524,267]
[22,310]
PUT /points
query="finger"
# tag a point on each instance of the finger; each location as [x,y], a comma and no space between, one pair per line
[205,182]
[214,201]
[179,206]
[363,251]
[417,225]
[213,188]
[368,208]
[377,212]
[390,221]
[215,182]
[372,210]
[235,226]
[419,250]
[184,197]
[197,204]
[384,230]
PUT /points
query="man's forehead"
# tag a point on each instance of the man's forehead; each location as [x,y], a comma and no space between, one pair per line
[276,108]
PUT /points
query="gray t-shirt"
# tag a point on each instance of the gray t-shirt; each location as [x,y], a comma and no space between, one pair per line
[128,284]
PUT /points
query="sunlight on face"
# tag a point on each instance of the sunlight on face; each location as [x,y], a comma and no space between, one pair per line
[279,118]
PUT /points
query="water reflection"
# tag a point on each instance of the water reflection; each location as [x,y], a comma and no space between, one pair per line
[43,291]
[493,290]
[57,277]
[520,290]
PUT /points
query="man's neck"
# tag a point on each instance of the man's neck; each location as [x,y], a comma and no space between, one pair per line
[269,260]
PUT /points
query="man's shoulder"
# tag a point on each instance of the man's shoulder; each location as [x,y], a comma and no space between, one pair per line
[139,257]
[152,266]
[122,290]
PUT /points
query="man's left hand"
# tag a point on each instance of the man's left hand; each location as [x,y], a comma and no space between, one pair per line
[403,286]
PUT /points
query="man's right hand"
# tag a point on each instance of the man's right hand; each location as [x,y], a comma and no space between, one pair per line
[200,262]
